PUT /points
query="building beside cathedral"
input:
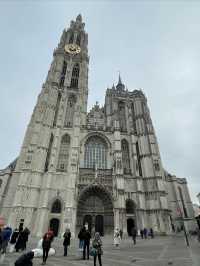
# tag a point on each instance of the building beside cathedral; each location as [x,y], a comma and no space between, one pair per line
[102,168]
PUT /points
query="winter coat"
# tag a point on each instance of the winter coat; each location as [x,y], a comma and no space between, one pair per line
[25,259]
[14,237]
[47,239]
[67,236]
[1,238]
[87,236]
[98,245]
[133,232]
[6,233]
[81,234]
[19,243]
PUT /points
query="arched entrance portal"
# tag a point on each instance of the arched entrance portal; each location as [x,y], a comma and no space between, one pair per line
[131,215]
[130,225]
[54,225]
[95,208]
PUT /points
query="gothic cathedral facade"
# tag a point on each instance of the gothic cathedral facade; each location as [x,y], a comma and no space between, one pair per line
[101,168]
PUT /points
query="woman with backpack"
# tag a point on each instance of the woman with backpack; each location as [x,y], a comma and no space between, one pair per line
[97,248]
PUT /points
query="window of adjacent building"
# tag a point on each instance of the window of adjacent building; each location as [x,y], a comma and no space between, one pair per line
[64,153]
[1,182]
[69,116]
[95,153]
[56,206]
[125,156]
[75,76]
[46,168]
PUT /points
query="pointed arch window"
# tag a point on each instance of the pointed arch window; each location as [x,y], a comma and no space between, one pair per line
[63,73]
[130,206]
[133,118]
[71,39]
[78,39]
[64,153]
[122,116]
[56,206]
[57,108]
[125,156]
[138,159]
[69,116]
[95,153]
[46,167]
[75,76]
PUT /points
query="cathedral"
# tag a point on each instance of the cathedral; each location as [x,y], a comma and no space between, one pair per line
[100,168]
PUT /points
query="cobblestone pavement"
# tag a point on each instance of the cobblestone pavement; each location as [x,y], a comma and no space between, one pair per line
[160,251]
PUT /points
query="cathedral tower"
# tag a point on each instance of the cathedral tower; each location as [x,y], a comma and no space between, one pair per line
[47,166]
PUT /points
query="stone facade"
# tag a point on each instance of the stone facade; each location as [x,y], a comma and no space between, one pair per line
[102,168]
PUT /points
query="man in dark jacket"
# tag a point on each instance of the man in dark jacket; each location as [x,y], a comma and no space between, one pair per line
[86,245]
[25,259]
[66,242]
[134,234]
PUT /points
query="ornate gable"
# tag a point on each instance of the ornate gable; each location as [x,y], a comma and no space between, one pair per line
[96,117]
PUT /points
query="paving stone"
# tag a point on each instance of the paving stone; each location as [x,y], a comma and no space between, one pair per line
[161,251]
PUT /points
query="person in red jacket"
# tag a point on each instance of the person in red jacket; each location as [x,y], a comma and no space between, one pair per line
[46,244]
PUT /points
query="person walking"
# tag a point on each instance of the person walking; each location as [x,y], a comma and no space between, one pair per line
[97,245]
[13,239]
[117,238]
[121,233]
[6,234]
[25,259]
[134,234]
[151,232]
[81,237]
[66,242]
[141,233]
[25,233]
[145,233]
[19,240]
[86,245]
[46,245]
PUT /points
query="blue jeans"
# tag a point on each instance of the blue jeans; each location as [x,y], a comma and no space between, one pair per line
[81,243]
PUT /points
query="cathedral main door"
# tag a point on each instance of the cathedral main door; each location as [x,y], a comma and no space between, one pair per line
[95,210]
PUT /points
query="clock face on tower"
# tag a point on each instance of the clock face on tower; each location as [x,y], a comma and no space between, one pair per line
[72,48]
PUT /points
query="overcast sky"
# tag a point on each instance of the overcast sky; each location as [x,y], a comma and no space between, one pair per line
[154,44]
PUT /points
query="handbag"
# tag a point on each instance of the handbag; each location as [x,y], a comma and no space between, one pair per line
[93,251]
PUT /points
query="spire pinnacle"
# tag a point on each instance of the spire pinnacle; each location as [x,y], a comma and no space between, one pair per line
[120,85]
[119,81]
[79,18]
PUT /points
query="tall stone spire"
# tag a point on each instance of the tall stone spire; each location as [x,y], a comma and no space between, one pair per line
[120,85]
